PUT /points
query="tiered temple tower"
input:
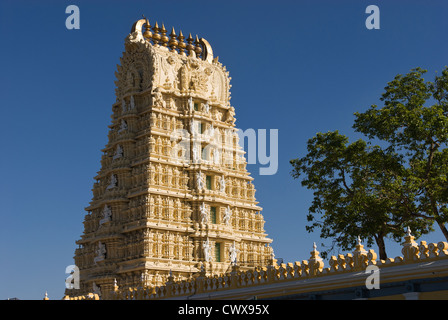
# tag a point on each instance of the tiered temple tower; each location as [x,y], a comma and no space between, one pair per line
[173,196]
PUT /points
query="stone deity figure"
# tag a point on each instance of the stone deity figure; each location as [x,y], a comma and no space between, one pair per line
[216,156]
[195,154]
[113,182]
[192,127]
[222,184]
[101,252]
[233,253]
[158,99]
[227,215]
[129,79]
[107,214]
[118,152]
[190,104]
[206,107]
[211,131]
[132,107]
[207,250]
[123,106]
[231,115]
[200,181]
[218,115]
[272,256]
[172,104]
[96,289]
[204,213]
[123,126]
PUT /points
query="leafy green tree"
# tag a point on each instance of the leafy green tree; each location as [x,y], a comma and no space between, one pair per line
[376,190]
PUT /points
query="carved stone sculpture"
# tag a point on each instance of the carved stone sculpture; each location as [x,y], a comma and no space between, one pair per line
[118,153]
[107,214]
[100,253]
[190,104]
[132,106]
[158,99]
[222,184]
[123,106]
[113,182]
[207,250]
[204,213]
[200,183]
[123,126]
[233,253]
[227,215]
[206,107]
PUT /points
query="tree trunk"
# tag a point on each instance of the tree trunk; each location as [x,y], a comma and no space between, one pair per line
[381,247]
[444,230]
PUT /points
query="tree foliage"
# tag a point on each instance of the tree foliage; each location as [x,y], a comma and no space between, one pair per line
[376,190]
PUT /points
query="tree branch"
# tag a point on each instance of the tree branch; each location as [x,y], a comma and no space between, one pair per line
[345,183]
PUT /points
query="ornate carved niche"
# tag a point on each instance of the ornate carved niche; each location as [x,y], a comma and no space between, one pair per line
[192,77]
[183,78]
[136,71]
[133,80]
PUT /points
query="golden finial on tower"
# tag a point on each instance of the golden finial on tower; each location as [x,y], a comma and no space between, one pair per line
[197,48]
[147,34]
[156,36]
[181,44]
[190,46]
[164,38]
[173,42]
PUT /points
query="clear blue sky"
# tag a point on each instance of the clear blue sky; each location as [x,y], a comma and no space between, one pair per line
[301,67]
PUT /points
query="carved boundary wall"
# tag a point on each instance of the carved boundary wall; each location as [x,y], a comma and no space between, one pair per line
[421,270]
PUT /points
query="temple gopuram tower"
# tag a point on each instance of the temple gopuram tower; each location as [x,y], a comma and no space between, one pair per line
[173,196]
